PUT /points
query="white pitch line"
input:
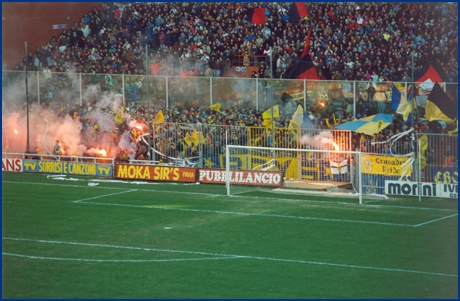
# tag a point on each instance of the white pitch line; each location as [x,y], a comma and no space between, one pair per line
[82,201]
[116,188]
[241,256]
[111,260]
[435,220]
[116,247]
[246,197]
[251,214]
[104,195]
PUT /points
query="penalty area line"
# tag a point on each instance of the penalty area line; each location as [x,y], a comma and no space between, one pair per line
[251,214]
[104,195]
[229,256]
[112,260]
[435,220]
[214,195]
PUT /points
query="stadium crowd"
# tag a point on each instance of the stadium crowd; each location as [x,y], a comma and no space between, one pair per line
[351,41]
[358,41]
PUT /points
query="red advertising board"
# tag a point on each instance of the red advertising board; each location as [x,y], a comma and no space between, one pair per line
[155,173]
[245,177]
[12,165]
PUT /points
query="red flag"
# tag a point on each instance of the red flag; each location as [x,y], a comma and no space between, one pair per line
[431,73]
[303,69]
[256,15]
[307,43]
[297,11]
[431,69]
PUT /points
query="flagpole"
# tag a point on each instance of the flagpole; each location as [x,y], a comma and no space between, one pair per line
[417,155]
[27,99]
[148,98]
[271,84]
[413,83]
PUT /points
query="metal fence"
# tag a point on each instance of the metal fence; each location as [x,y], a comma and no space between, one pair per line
[433,159]
[438,158]
[161,92]
[205,143]
[171,140]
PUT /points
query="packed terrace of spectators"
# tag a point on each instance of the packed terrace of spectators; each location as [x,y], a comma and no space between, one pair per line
[355,41]
[352,41]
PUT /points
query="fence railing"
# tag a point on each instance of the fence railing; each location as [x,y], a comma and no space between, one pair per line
[437,163]
[434,156]
[163,92]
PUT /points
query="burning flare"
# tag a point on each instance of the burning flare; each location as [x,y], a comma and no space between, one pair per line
[102,152]
[327,140]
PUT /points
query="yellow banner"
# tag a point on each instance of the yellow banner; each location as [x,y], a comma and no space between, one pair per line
[289,164]
[268,113]
[384,165]
[159,117]
[215,107]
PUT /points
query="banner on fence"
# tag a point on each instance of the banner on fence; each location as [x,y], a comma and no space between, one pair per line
[68,168]
[384,165]
[289,165]
[253,162]
[425,189]
[12,165]
[446,175]
[155,173]
[246,177]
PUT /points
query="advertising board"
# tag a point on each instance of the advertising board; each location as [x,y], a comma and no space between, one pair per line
[424,188]
[12,165]
[246,177]
[68,168]
[155,173]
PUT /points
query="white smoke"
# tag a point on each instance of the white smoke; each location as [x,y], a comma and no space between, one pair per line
[46,125]
[323,140]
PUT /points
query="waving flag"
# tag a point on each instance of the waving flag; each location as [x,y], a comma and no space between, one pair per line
[297,11]
[256,15]
[120,115]
[302,69]
[432,70]
[339,168]
[439,106]
[159,117]
[297,118]
[423,145]
[215,107]
[268,113]
[399,102]
[307,43]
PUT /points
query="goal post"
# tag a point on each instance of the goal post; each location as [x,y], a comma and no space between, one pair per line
[251,168]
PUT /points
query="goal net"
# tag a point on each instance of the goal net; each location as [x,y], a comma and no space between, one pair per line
[285,170]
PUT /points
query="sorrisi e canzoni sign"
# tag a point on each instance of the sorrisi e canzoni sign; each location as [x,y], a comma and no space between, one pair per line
[245,177]
[155,173]
[67,168]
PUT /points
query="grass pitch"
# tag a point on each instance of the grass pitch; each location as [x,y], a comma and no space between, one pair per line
[63,238]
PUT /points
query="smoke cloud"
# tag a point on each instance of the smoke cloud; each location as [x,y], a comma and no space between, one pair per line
[323,140]
[92,135]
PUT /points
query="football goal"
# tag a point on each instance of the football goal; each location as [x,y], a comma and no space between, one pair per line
[285,170]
